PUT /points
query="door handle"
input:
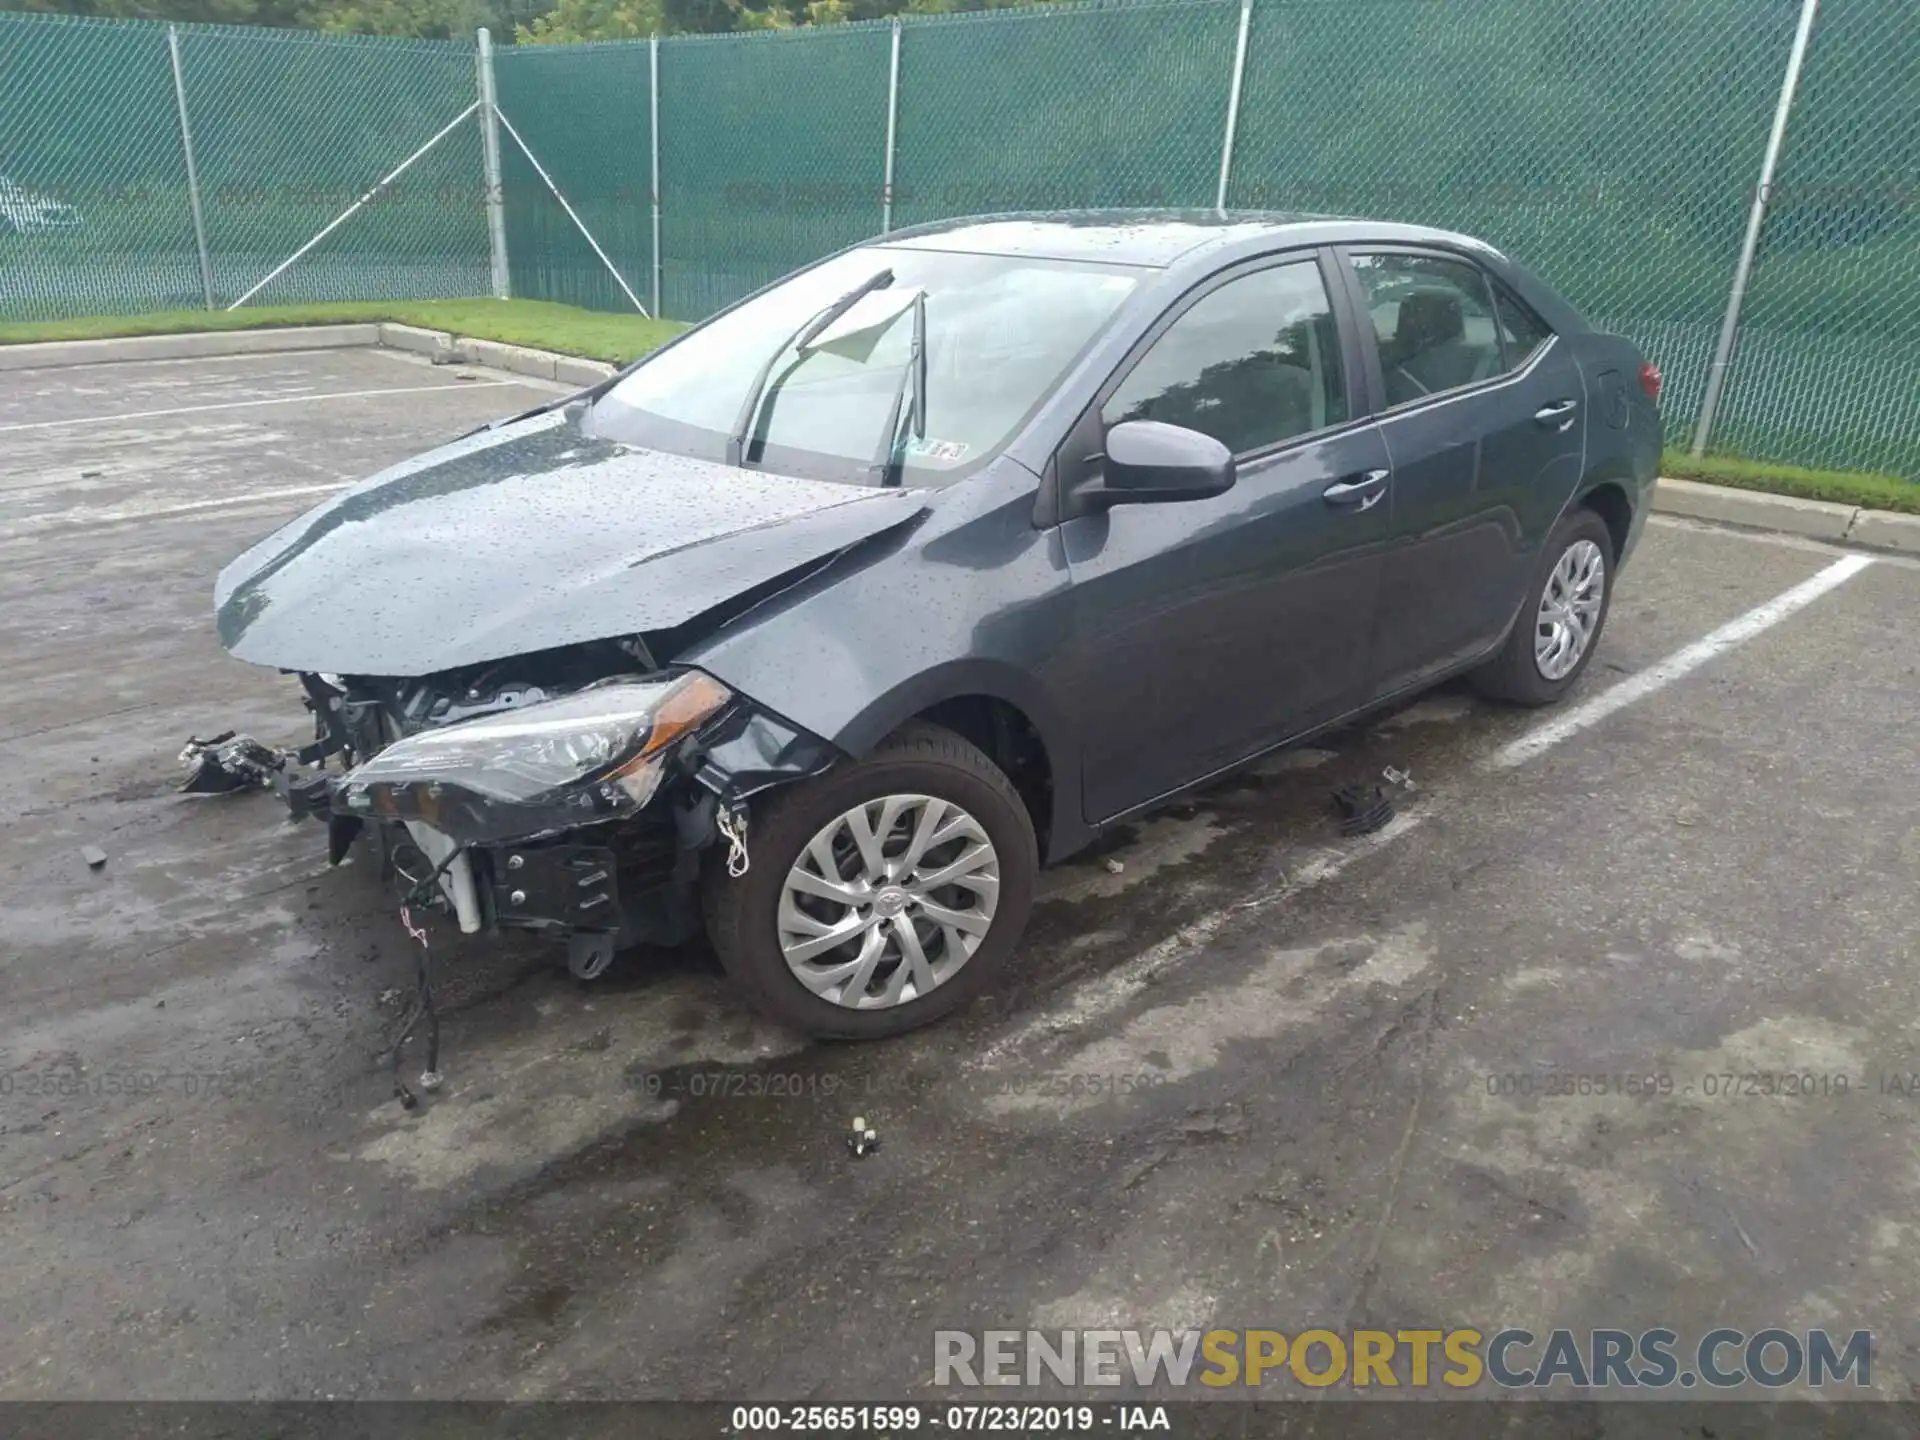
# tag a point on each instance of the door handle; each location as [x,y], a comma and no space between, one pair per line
[1362,493]
[1557,416]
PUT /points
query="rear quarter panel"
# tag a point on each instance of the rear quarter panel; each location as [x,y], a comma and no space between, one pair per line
[1625,430]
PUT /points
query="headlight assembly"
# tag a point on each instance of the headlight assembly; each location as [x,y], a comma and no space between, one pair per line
[597,754]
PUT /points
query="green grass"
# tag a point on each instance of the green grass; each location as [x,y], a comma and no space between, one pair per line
[1846,487]
[566,328]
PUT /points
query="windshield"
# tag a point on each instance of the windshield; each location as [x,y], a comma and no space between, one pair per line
[1000,330]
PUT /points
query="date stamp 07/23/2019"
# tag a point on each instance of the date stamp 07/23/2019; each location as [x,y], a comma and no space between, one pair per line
[1656,1084]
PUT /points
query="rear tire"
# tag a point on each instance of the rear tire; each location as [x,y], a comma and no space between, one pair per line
[1548,649]
[903,962]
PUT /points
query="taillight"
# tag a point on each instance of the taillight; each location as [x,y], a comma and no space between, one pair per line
[1650,379]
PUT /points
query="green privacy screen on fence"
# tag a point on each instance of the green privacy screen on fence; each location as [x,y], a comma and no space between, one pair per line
[582,109]
[1071,106]
[288,128]
[1612,145]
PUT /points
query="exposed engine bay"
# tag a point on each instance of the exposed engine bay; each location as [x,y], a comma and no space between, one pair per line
[572,792]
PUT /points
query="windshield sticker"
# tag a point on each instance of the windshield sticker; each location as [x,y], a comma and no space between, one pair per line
[932,449]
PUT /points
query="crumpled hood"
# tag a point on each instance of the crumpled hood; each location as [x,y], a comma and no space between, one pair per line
[526,538]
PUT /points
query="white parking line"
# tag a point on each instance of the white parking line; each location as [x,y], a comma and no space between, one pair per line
[1545,736]
[1100,997]
[1117,986]
[122,514]
[244,404]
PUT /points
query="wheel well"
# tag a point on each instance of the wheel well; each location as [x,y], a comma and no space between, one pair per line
[1007,737]
[1610,503]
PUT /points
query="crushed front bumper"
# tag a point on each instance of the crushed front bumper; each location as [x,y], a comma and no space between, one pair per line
[600,886]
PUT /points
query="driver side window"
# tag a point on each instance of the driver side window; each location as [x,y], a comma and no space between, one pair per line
[1252,364]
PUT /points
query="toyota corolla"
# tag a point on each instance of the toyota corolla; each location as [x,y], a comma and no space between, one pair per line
[821,628]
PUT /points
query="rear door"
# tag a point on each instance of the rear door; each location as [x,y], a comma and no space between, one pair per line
[1208,629]
[1482,411]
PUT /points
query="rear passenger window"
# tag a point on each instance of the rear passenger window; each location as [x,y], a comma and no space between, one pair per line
[1521,331]
[1435,323]
[1252,364]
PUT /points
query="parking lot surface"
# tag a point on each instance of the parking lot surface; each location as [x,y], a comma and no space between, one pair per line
[1250,1073]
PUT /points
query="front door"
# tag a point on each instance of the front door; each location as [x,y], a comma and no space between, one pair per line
[1483,420]
[1209,629]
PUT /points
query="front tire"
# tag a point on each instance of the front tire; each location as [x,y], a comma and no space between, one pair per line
[881,896]
[1561,619]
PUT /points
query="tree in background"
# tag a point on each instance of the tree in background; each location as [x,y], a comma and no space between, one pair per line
[530,21]
[575,20]
[431,19]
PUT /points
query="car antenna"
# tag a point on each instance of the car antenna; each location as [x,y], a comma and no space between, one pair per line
[749,416]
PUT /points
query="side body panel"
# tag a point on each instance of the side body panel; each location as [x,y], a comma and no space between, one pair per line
[972,600]
[1480,474]
[1208,629]
[1624,427]
[976,597]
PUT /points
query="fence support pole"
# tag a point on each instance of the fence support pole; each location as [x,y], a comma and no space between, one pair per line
[653,131]
[893,124]
[490,159]
[574,215]
[193,170]
[1233,104]
[1756,218]
[354,209]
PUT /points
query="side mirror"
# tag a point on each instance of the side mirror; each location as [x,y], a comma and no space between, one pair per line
[1148,462]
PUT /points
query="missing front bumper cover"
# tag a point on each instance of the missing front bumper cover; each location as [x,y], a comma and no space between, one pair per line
[556,886]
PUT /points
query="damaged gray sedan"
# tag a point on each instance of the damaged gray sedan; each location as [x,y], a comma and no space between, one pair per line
[820,627]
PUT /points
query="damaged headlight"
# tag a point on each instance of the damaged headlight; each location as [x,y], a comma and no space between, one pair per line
[597,754]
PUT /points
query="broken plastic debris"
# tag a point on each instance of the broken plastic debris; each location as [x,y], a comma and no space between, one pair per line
[229,762]
[1362,808]
[862,1139]
[1398,777]
[1114,867]
[93,855]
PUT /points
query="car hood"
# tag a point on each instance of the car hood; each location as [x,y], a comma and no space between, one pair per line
[526,537]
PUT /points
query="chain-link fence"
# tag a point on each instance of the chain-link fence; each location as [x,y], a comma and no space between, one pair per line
[102,212]
[1616,146]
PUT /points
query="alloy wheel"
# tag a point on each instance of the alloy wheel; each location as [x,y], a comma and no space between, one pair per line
[888,900]
[1570,610]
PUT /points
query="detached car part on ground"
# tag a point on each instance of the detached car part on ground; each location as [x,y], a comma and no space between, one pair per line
[824,625]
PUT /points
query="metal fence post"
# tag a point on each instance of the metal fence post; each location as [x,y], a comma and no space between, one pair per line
[1233,104]
[893,123]
[1756,218]
[193,170]
[490,159]
[653,131]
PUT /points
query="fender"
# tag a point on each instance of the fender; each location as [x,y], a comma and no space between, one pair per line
[921,619]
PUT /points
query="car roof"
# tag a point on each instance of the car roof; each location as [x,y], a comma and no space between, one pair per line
[1155,238]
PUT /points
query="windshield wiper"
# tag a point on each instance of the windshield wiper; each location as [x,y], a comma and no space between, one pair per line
[886,460]
[749,416]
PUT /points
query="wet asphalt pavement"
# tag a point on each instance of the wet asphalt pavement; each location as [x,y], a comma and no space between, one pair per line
[1251,1074]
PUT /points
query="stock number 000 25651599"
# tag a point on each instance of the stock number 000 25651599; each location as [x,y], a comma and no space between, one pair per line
[885,1419]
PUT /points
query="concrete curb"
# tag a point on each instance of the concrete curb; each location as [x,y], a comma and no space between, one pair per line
[444,348]
[1788,514]
[193,346]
